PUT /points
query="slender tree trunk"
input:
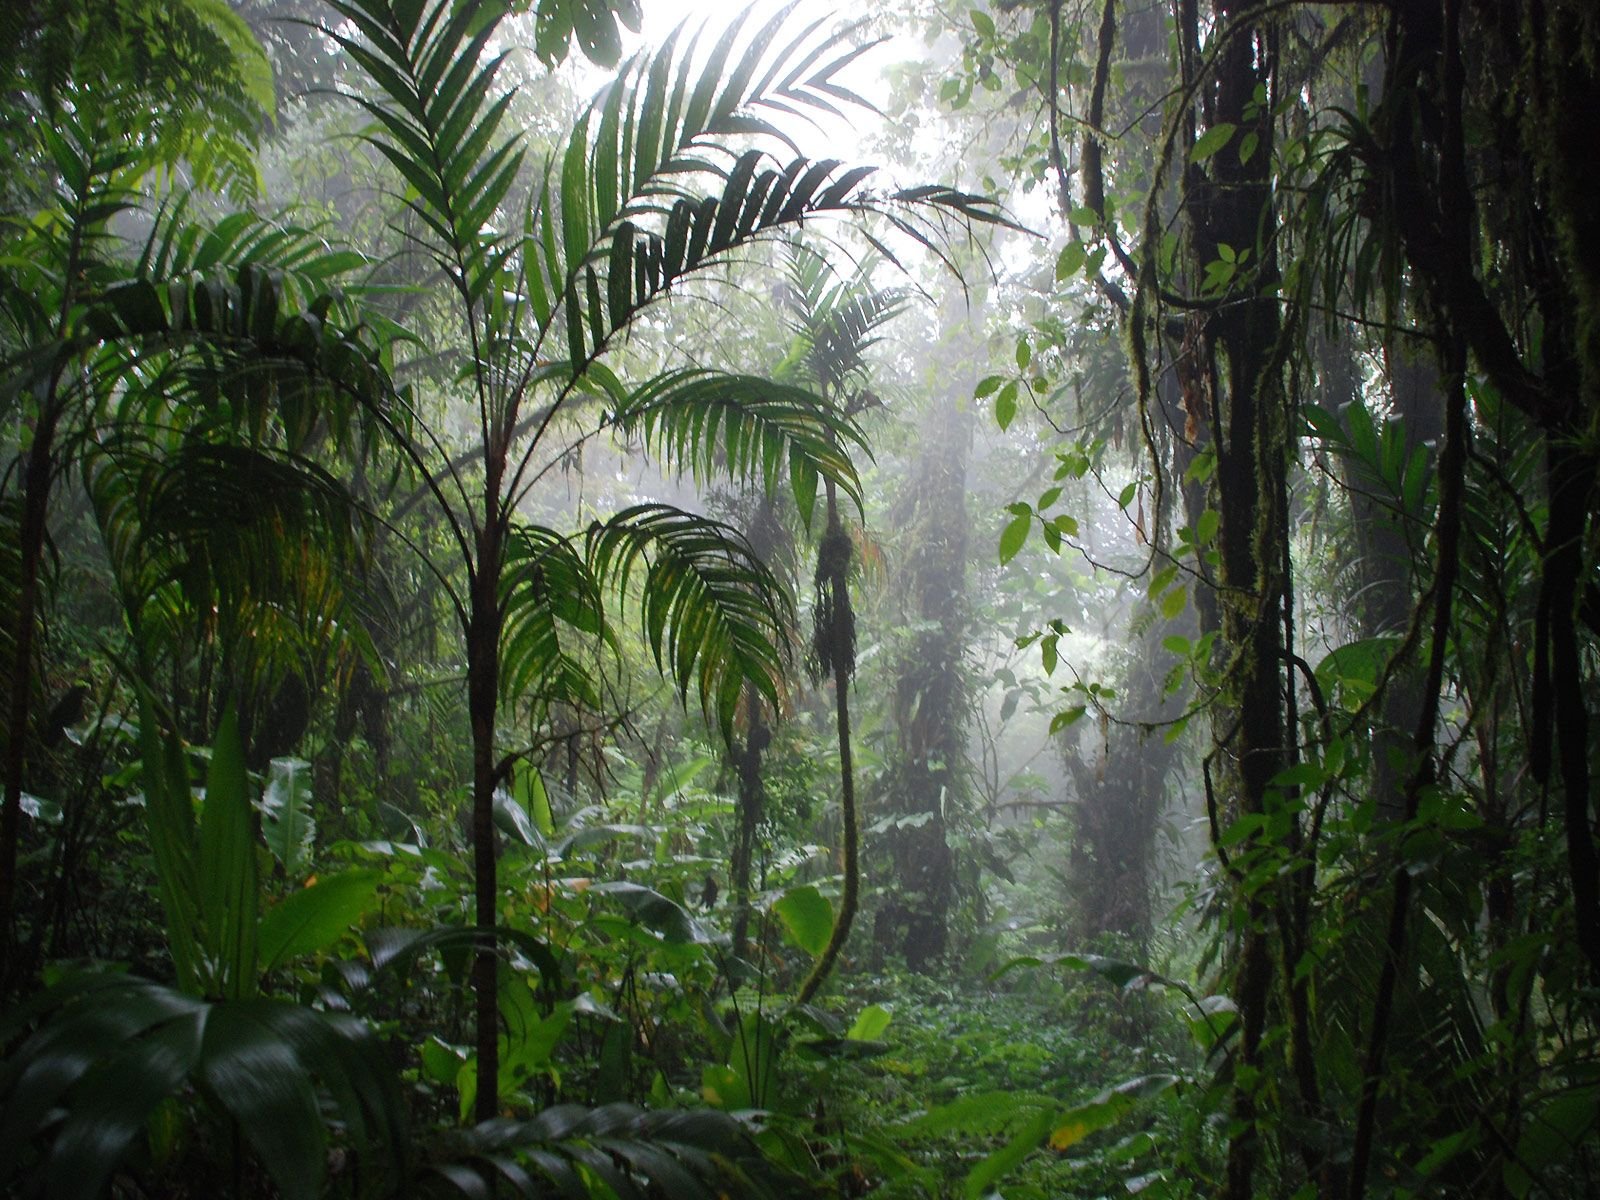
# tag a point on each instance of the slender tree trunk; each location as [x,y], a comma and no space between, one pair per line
[483,688]
[35,509]
[1571,474]
[751,794]
[836,650]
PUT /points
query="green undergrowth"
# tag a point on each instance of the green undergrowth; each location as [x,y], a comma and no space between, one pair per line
[1019,1091]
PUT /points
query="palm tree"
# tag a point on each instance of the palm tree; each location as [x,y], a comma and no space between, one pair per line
[646,192]
[834,321]
[91,326]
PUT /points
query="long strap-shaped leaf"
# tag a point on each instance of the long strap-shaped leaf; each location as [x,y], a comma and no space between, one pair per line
[229,899]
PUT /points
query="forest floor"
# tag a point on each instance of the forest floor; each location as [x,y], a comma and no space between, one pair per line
[974,1079]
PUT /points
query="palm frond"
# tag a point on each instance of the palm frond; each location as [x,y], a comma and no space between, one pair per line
[185,79]
[245,351]
[713,423]
[835,319]
[549,599]
[635,259]
[644,193]
[438,123]
[698,1155]
[714,615]
[299,258]
[106,1050]
[241,544]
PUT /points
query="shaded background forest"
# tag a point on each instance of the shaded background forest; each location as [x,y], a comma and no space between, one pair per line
[994,600]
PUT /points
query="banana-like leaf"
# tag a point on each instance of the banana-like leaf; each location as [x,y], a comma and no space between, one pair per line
[106,1050]
[714,615]
[654,911]
[286,822]
[313,918]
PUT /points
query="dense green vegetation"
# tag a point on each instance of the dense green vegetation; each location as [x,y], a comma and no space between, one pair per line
[561,642]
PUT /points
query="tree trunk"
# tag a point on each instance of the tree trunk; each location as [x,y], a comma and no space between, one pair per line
[926,779]
[1234,210]
[835,645]
[483,688]
[751,797]
[35,509]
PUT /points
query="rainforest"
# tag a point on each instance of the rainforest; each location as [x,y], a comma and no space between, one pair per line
[648,600]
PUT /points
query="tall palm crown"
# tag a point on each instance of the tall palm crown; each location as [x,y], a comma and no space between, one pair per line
[673,165]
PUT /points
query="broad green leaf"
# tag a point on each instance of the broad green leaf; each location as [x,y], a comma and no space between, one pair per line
[982,1113]
[441,1061]
[1212,140]
[513,820]
[996,1166]
[1005,405]
[533,797]
[654,911]
[870,1023]
[723,1087]
[816,1048]
[596,30]
[313,918]
[1067,718]
[286,824]
[1106,1109]
[261,1081]
[1356,667]
[807,917]
[116,1101]
[1013,537]
[1210,1019]
[132,1047]
[1070,261]
[1559,1128]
